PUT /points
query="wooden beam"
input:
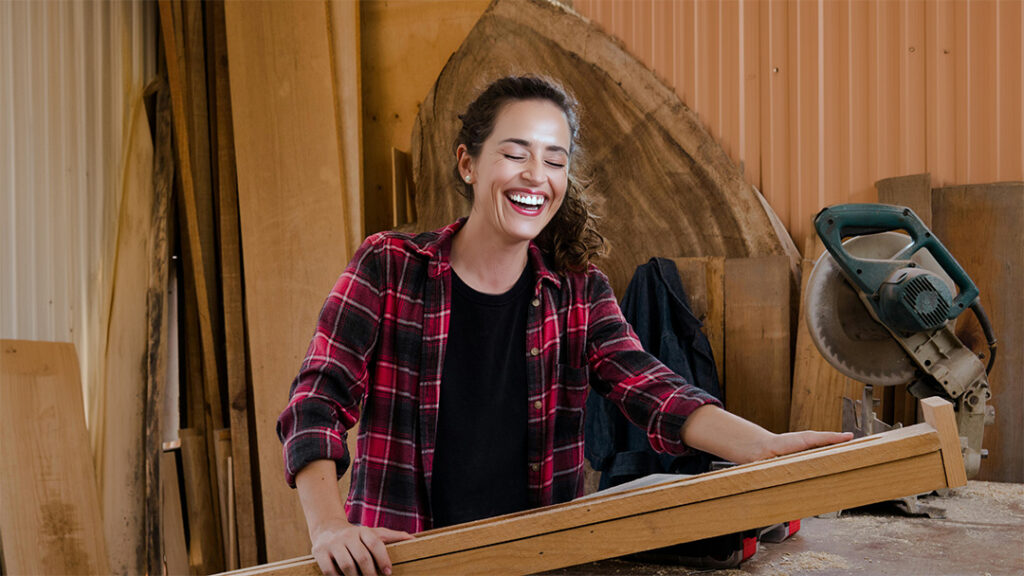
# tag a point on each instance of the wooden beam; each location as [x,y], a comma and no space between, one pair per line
[897,463]
[49,504]
[290,198]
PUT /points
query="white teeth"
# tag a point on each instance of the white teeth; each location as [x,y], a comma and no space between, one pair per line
[528,200]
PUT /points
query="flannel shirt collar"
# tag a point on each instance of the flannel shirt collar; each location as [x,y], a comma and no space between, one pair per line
[436,246]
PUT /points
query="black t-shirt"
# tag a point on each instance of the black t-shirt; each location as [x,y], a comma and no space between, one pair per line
[480,465]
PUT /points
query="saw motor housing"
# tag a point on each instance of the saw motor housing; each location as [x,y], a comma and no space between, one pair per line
[881,305]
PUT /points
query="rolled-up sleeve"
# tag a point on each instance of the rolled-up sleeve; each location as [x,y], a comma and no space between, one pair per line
[325,396]
[648,392]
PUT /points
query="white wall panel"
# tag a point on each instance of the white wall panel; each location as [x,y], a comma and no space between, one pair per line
[69,75]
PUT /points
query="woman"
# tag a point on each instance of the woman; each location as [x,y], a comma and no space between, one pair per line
[469,350]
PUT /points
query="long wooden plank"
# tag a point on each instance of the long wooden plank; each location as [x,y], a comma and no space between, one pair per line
[49,503]
[175,558]
[205,554]
[194,197]
[292,216]
[231,285]
[896,463]
[157,324]
[120,458]
[757,342]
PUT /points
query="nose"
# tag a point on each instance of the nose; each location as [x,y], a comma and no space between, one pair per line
[533,171]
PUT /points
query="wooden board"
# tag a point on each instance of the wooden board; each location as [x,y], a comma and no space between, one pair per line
[757,342]
[346,46]
[898,463]
[120,459]
[229,241]
[914,192]
[981,226]
[818,388]
[294,239]
[653,165]
[49,503]
[175,558]
[157,324]
[205,553]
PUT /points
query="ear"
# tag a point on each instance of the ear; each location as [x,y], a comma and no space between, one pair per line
[464,161]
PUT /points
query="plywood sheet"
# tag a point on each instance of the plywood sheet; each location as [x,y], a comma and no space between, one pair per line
[49,503]
[294,240]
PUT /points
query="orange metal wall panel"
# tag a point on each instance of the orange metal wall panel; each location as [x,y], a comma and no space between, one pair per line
[817,100]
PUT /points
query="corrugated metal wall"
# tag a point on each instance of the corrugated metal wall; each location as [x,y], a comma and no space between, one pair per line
[70,73]
[819,99]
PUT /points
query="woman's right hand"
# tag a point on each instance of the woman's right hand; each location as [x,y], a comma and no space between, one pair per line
[354,550]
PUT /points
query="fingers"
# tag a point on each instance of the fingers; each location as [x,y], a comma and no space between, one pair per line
[362,557]
[377,550]
[388,535]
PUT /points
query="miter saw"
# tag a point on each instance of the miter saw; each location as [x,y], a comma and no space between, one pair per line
[880,306]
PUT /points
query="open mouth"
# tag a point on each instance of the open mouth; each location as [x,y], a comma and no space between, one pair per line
[529,204]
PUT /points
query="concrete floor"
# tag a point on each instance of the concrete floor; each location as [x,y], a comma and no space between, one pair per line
[982,534]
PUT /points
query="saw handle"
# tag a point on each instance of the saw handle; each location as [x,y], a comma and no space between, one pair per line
[835,223]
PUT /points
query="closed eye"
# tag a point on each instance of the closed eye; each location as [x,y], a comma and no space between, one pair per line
[514,157]
[554,164]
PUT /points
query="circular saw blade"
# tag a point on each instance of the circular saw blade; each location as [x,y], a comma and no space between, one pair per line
[841,326]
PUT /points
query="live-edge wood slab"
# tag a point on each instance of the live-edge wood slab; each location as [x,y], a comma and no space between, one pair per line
[893,464]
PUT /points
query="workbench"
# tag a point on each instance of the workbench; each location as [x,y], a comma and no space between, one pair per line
[983,534]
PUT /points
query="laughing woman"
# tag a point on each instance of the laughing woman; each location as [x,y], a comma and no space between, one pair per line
[469,352]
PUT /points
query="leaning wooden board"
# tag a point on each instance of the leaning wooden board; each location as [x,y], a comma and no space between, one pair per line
[49,504]
[898,463]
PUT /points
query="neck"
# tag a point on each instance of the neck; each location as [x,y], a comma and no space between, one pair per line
[484,262]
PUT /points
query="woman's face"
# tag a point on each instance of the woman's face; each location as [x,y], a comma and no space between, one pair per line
[520,176]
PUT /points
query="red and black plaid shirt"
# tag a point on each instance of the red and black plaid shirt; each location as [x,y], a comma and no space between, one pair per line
[380,345]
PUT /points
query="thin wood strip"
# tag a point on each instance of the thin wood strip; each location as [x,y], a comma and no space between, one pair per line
[231,283]
[175,558]
[176,76]
[204,550]
[888,465]
[157,328]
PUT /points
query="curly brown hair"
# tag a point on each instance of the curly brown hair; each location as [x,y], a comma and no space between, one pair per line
[571,238]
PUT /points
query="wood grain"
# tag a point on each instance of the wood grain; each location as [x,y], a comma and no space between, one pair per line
[175,559]
[49,501]
[120,458]
[818,388]
[229,242]
[157,325]
[205,553]
[661,173]
[981,227]
[757,342]
[294,239]
[871,469]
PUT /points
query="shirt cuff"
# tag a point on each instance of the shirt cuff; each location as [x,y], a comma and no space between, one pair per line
[311,445]
[665,432]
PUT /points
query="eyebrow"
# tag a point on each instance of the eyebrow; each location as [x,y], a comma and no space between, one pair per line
[526,143]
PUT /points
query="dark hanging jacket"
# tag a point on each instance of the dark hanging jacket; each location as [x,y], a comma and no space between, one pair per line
[656,305]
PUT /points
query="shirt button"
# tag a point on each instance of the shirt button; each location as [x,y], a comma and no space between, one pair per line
[538,405]
[535,467]
[535,302]
[534,351]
